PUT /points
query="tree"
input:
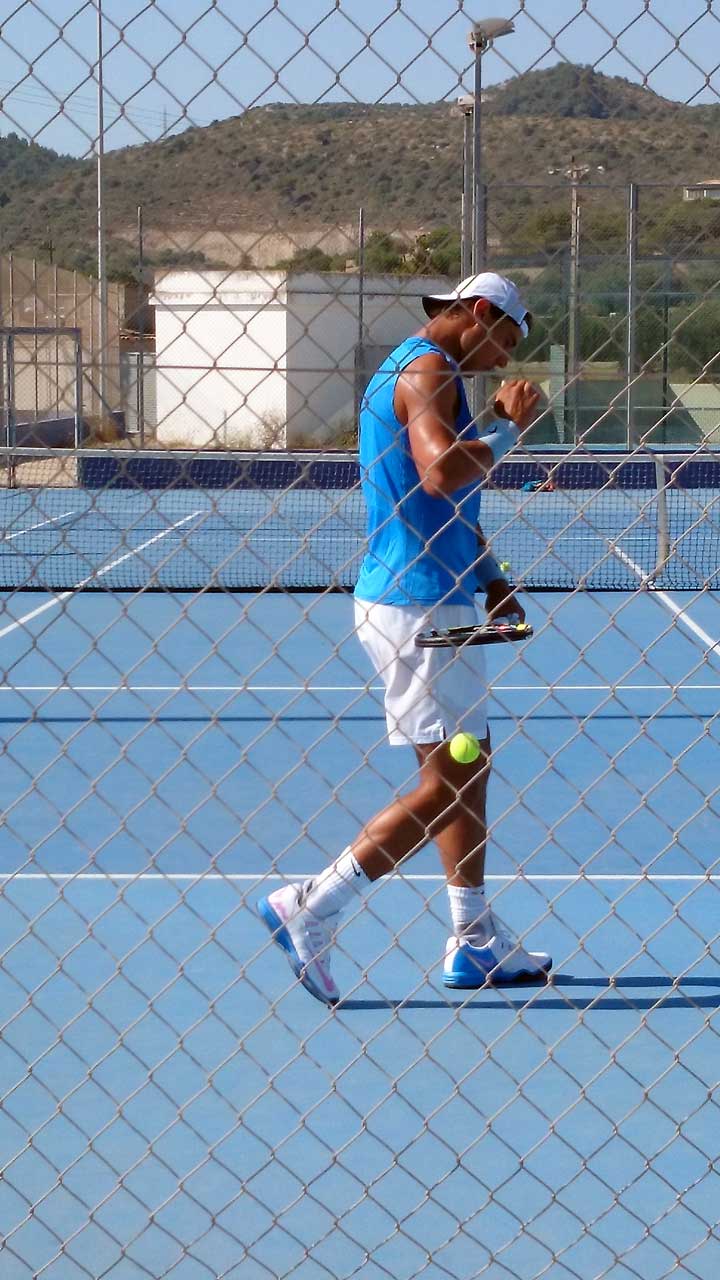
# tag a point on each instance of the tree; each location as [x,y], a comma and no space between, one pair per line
[311,259]
[649,336]
[436,253]
[697,331]
[600,338]
[687,227]
[547,290]
[384,253]
[547,229]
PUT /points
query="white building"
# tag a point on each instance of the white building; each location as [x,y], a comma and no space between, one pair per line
[709,190]
[256,359]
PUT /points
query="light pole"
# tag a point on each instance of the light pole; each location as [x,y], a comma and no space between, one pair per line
[464,108]
[575,174]
[480,39]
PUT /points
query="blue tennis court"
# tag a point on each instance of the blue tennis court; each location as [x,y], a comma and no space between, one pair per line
[175,1105]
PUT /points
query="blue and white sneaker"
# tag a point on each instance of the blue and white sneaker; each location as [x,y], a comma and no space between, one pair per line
[304,937]
[498,962]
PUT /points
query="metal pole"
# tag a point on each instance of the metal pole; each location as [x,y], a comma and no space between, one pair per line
[36,346]
[57,343]
[11,428]
[361,277]
[78,389]
[477,398]
[141,352]
[573,326]
[666,350]
[630,358]
[10,390]
[466,232]
[101,245]
[360,369]
[479,233]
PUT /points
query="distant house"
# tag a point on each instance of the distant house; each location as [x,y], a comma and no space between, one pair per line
[709,190]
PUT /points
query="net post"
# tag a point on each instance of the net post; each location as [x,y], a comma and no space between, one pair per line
[663,543]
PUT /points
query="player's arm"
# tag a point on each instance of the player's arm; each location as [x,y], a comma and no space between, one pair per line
[426,402]
[500,598]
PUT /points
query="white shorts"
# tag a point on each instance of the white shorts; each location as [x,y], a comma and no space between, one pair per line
[430,694]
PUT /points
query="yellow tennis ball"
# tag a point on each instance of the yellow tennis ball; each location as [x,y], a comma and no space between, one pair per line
[464,748]
[505,565]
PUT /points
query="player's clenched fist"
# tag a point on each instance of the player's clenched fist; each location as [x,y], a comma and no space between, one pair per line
[518,401]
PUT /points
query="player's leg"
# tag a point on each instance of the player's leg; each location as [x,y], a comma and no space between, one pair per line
[462,844]
[426,701]
[479,950]
[303,917]
[463,839]
[444,795]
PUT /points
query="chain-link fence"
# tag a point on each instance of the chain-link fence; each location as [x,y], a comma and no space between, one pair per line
[220,226]
[35,299]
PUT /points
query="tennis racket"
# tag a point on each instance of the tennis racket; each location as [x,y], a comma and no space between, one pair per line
[500,632]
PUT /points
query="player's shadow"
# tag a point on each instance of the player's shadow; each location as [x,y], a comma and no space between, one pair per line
[563,991]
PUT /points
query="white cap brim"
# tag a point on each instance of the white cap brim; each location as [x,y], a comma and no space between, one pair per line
[489,285]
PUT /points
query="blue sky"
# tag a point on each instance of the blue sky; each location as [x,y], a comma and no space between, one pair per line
[169,63]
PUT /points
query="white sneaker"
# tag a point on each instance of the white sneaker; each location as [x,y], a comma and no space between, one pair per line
[303,936]
[500,960]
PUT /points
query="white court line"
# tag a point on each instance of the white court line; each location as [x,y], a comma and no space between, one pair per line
[681,614]
[344,688]
[8,537]
[65,595]
[250,877]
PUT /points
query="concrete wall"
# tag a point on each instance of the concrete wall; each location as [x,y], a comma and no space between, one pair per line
[243,248]
[323,336]
[258,358]
[220,358]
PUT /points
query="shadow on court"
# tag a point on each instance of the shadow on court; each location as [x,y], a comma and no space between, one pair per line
[670,994]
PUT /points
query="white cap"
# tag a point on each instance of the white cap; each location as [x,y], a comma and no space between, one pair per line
[496,289]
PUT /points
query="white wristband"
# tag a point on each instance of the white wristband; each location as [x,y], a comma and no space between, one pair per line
[502,439]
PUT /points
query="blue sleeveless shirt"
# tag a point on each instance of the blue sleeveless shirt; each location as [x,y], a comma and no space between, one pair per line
[422,549]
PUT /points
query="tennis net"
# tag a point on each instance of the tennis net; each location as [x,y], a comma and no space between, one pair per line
[124,520]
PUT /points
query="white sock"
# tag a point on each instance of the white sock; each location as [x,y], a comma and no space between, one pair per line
[336,886]
[471,918]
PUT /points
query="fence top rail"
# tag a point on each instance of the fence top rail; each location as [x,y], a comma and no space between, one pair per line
[33,330]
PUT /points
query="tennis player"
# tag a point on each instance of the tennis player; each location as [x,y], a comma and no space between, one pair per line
[422,463]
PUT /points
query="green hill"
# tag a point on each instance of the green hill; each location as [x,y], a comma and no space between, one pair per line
[298,167]
[569,91]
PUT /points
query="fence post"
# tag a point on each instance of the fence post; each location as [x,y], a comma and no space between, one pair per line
[78,389]
[140,367]
[359,374]
[630,355]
